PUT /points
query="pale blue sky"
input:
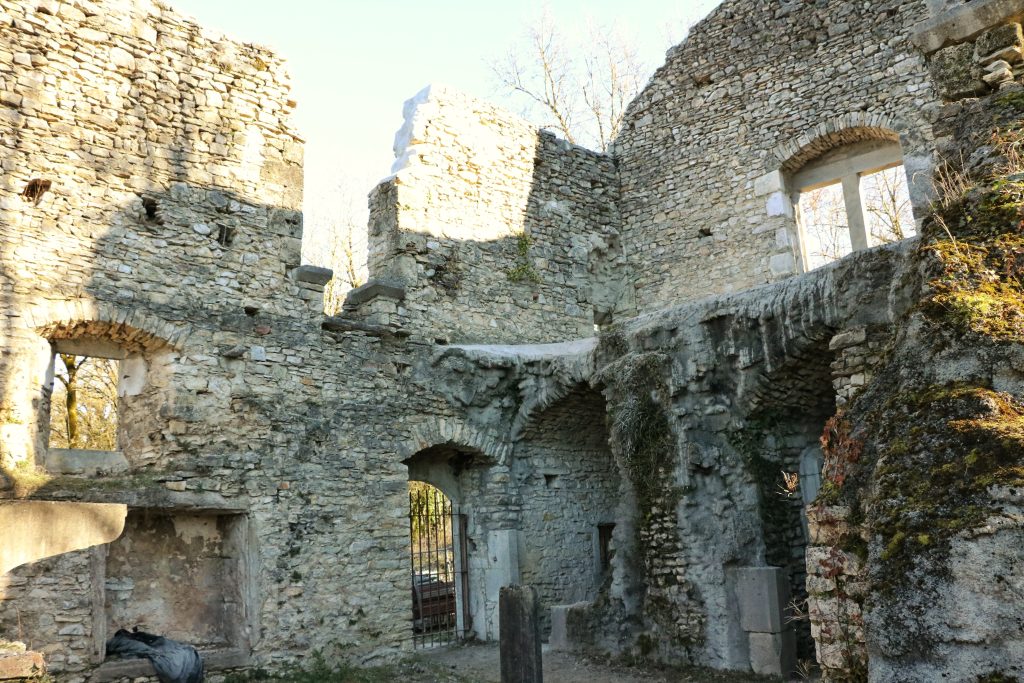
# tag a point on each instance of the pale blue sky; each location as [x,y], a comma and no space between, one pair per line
[353,64]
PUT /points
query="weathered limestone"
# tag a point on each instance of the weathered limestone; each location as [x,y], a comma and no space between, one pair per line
[725,110]
[520,636]
[34,530]
[646,478]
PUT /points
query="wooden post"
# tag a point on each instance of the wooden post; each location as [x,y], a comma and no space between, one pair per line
[519,635]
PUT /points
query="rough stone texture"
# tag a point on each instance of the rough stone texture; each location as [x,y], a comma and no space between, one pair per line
[19,665]
[567,480]
[757,87]
[268,449]
[498,232]
[836,587]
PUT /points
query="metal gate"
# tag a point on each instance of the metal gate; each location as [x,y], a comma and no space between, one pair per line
[440,609]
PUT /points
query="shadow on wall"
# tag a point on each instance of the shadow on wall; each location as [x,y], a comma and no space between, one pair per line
[497,234]
[568,489]
[145,235]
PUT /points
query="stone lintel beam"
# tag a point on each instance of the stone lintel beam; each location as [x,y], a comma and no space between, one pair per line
[337,323]
[313,275]
[34,530]
[387,289]
[964,22]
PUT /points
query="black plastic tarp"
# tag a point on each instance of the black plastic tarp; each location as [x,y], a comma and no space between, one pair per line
[174,662]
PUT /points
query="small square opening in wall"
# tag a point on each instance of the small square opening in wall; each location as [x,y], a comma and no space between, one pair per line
[84,402]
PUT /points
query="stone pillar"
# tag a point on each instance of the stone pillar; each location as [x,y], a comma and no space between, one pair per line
[763,596]
[519,614]
[859,238]
[836,582]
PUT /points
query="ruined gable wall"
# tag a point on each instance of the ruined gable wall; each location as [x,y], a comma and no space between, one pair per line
[492,228]
[750,79]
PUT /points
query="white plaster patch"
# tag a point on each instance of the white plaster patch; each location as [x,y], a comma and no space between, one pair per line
[778,204]
[133,376]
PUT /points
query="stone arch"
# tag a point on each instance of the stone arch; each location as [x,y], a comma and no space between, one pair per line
[133,328]
[839,150]
[470,467]
[841,130]
[439,431]
[569,487]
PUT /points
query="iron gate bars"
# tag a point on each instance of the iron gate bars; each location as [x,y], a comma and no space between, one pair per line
[438,562]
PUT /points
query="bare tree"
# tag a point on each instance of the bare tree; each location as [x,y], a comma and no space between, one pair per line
[577,90]
[337,219]
[887,202]
[83,410]
[823,217]
[886,199]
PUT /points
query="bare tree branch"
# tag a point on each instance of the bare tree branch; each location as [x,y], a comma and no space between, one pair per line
[578,91]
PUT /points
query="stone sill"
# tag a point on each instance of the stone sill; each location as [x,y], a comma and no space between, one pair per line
[84,462]
[214,660]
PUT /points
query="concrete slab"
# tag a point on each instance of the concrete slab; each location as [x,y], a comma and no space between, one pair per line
[773,654]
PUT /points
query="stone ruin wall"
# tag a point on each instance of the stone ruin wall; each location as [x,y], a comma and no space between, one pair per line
[756,87]
[277,441]
[171,230]
[495,232]
[118,109]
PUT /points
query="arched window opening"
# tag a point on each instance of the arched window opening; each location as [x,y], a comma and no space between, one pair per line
[851,198]
[439,564]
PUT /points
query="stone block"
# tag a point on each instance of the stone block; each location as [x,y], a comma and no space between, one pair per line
[770,182]
[519,641]
[782,264]
[848,338]
[762,594]
[773,654]
[956,73]
[372,290]
[19,665]
[560,638]
[779,204]
[84,462]
[313,275]
[1001,43]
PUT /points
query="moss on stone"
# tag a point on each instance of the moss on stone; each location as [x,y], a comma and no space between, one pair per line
[957,442]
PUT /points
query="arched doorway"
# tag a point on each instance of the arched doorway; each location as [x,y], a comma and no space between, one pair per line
[438,562]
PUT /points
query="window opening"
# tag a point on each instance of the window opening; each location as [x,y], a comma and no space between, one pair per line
[84,402]
[887,205]
[826,231]
[604,546]
[852,198]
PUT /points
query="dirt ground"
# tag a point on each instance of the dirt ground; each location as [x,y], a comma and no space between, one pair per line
[479,664]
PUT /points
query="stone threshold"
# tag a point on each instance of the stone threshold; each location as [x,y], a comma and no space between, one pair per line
[214,660]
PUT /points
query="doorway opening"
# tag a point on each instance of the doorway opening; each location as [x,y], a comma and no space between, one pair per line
[439,562]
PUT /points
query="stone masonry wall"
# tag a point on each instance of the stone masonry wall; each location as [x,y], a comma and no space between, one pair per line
[169,228]
[492,228]
[752,88]
[568,485]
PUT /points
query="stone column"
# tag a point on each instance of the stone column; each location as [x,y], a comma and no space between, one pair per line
[859,238]
[519,614]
